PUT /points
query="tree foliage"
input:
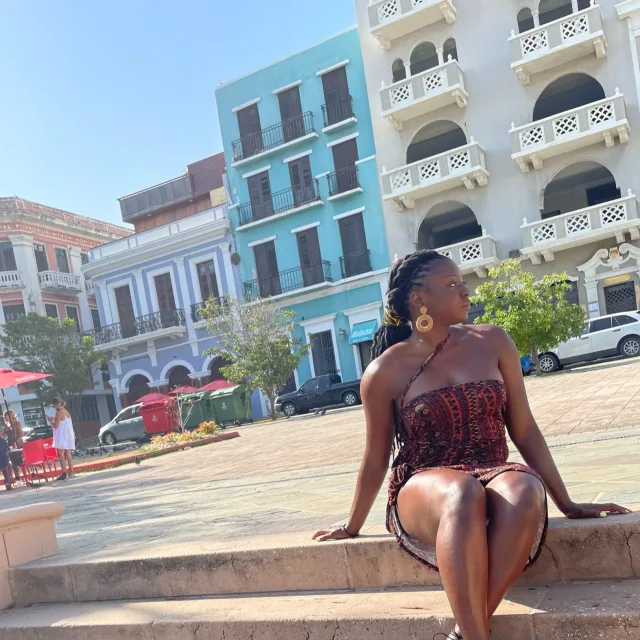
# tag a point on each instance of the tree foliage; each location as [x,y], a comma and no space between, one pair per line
[256,338]
[43,345]
[534,312]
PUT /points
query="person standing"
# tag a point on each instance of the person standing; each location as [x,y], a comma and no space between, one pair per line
[4,462]
[14,434]
[64,439]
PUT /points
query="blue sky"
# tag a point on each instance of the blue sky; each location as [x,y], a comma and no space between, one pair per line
[100,99]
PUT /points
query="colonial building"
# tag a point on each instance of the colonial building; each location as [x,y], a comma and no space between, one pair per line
[306,208]
[514,135]
[42,250]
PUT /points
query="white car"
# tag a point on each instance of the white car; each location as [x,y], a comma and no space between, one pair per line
[614,335]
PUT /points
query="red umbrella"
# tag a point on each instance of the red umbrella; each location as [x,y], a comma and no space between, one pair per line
[178,391]
[150,398]
[11,378]
[216,385]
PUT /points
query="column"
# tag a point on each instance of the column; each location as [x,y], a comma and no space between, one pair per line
[536,19]
[26,264]
[102,300]
[440,53]
[142,296]
[407,68]
[83,299]
[186,303]
[229,270]
[574,6]
[593,304]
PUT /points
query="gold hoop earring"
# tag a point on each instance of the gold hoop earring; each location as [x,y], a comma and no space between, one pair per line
[424,323]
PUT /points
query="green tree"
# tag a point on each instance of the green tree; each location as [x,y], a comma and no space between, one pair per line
[37,343]
[534,312]
[256,338]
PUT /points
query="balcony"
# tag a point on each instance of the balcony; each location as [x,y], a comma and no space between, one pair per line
[11,280]
[337,114]
[161,324]
[423,93]
[157,197]
[281,203]
[557,42]
[88,285]
[273,138]
[604,120]
[355,264]
[57,282]
[576,228]
[462,166]
[392,19]
[473,256]
[198,308]
[343,182]
[289,280]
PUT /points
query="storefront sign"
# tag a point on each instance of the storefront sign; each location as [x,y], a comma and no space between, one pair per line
[607,282]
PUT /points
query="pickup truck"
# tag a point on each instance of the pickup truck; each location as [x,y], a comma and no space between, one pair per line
[316,393]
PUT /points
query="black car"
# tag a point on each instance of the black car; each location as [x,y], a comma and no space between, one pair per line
[38,433]
[316,393]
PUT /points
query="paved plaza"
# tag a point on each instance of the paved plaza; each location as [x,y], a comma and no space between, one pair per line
[298,475]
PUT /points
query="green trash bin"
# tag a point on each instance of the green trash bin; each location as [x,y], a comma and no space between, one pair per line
[231,405]
[196,408]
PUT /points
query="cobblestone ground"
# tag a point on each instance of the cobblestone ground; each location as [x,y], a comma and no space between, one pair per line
[298,475]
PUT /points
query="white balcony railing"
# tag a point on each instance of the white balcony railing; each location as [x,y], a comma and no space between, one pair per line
[601,121]
[423,93]
[584,226]
[557,42]
[11,280]
[476,255]
[55,280]
[462,166]
[392,19]
[88,285]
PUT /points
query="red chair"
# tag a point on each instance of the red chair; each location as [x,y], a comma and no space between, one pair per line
[50,455]
[34,457]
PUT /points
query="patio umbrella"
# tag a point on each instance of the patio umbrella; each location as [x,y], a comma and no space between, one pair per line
[178,391]
[216,385]
[11,378]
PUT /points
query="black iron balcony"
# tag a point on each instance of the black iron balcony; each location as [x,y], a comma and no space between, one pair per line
[279,202]
[156,197]
[343,180]
[274,136]
[337,111]
[288,280]
[197,309]
[353,264]
[138,326]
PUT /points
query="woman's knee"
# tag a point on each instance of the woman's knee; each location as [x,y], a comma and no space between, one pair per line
[522,490]
[465,496]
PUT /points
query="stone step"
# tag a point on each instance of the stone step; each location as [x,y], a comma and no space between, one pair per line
[583,611]
[605,549]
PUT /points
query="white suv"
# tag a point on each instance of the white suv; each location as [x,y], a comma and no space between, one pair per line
[614,335]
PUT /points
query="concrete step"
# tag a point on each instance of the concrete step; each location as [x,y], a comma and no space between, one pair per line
[605,549]
[585,611]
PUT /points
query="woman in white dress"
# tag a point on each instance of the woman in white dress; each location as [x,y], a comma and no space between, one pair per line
[64,439]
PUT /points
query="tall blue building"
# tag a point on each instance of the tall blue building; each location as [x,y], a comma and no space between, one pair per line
[306,211]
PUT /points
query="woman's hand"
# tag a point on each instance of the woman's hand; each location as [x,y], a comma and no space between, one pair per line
[339,533]
[576,510]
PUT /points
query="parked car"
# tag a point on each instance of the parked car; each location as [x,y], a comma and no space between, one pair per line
[316,393]
[527,365]
[127,425]
[37,433]
[613,335]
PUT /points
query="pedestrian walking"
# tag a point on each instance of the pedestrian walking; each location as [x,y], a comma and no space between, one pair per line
[64,439]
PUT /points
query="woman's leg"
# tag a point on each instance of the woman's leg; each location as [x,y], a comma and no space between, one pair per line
[63,461]
[69,460]
[449,509]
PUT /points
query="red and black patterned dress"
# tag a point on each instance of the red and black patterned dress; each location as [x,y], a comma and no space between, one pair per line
[461,427]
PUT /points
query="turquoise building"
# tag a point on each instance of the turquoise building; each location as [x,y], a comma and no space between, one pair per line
[306,209]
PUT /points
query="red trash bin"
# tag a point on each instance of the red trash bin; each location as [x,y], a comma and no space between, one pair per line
[159,417]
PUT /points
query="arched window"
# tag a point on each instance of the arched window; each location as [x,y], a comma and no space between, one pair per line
[525,20]
[179,377]
[450,50]
[568,92]
[398,70]
[423,57]
[551,10]
[580,185]
[138,387]
[435,138]
[448,223]
[216,365]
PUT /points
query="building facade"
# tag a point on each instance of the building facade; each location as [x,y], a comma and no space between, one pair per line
[150,286]
[306,206]
[514,136]
[42,251]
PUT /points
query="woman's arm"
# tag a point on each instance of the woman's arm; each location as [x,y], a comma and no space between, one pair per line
[378,411]
[55,421]
[527,437]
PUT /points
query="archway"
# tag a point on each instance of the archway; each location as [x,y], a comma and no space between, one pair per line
[424,57]
[525,20]
[398,70]
[450,50]
[551,10]
[179,377]
[448,223]
[568,92]
[435,138]
[216,365]
[580,185]
[138,387]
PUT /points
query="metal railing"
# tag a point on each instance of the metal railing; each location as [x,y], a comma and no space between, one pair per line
[353,264]
[343,180]
[138,326]
[288,280]
[198,308]
[279,202]
[337,111]
[274,136]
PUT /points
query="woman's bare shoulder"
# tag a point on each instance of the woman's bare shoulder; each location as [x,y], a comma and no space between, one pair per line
[385,372]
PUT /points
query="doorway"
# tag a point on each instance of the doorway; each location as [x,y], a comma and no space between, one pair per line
[324,359]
